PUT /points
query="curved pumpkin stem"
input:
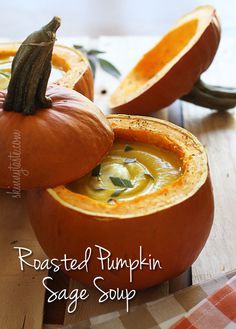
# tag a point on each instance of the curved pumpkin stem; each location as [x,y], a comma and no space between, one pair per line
[212,97]
[30,71]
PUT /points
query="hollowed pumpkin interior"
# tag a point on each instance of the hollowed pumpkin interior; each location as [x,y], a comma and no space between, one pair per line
[162,57]
[5,70]
[158,57]
[64,60]
[188,156]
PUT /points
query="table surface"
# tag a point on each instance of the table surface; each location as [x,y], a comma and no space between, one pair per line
[215,130]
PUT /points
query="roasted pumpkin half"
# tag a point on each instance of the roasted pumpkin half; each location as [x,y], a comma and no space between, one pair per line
[152,190]
[172,69]
[48,134]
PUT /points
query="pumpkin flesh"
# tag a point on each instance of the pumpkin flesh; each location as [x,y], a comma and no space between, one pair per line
[172,223]
[5,72]
[70,68]
[170,69]
[159,57]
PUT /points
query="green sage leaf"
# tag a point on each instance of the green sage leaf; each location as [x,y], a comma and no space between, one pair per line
[94,60]
[5,74]
[96,171]
[95,52]
[118,192]
[79,47]
[121,182]
[111,201]
[93,64]
[109,68]
[128,148]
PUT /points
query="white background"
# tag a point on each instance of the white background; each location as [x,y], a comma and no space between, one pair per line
[104,17]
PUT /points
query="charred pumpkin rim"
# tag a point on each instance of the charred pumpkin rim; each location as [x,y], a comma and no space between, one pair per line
[73,62]
[202,16]
[153,131]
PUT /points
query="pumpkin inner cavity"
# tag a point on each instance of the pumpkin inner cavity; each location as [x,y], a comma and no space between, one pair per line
[5,72]
[154,61]
[128,172]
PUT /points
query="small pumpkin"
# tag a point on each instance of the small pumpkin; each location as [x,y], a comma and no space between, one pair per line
[172,223]
[77,73]
[48,135]
[172,69]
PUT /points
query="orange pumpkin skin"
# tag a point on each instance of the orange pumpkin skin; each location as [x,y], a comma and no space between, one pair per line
[55,145]
[180,78]
[85,84]
[78,74]
[174,235]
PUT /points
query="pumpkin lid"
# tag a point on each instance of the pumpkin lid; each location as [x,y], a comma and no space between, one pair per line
[170,69]
[49,135]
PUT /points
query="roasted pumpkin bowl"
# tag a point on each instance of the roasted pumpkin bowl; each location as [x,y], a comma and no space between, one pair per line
[170,69]
[171,223]
[71,68]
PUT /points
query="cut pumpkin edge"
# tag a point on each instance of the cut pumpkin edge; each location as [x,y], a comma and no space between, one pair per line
[195,174]
[78,74]
[204,16]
